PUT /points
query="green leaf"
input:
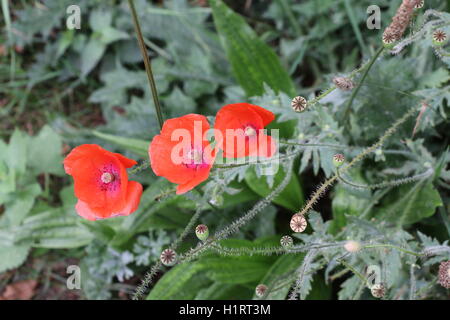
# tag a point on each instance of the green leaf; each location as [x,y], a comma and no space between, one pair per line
[348,201]
[236,271]
[411,203]
[253,62]
[284,264]
[52,229]
[100,19]
[137,146]
[45,152]
[91,54]
[12,257]
[17,152]
[110,35]
[99,229]
[291,197]
[224,291]
[241,269]
[22,204]
[175,281]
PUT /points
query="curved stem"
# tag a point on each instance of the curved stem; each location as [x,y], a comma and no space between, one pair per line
[385,184]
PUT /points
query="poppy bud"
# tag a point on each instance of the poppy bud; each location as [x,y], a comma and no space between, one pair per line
[261,290]
[286,241]
[439,38]
[352,246]
[298,223]
[299,104]
[378,290]
[338,160]
[168,257]
[202,232]
[419,4]
[388,40]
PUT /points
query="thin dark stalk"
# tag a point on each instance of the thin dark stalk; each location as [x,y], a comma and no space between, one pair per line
[148,66]
[363,77]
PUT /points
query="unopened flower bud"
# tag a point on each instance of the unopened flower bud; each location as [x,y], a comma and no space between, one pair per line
[338,160]
[352,246]
[261,290]
[298,223]
[299,104]
[419,4]
[286,241]
[378,290]
[389,40]
[202,232]
[168,257]
[439,38]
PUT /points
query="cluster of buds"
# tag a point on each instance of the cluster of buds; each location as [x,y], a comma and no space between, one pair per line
[399,22]
[444,274]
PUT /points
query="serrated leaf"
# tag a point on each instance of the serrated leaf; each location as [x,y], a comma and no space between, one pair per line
[253,62]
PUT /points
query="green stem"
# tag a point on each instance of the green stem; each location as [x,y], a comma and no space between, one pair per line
[363,77]
[357,273]
[148,66]
[381,245]
[390,183]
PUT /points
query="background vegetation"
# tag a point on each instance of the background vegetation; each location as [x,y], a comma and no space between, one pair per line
[61,88]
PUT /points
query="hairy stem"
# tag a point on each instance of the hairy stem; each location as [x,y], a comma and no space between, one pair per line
[141,289]
[325,185]
[390,183]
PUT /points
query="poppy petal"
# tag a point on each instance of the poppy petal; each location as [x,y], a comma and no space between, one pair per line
[266,116]
[127,162]
[160,152]
[200,176]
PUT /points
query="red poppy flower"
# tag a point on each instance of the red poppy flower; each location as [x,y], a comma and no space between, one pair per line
[181,153]
[240,131]
[101,182]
